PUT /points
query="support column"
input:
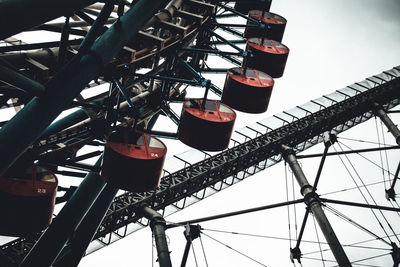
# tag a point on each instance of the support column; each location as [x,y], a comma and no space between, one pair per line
[311,199]
[157,224]
[191,232]
[388,122]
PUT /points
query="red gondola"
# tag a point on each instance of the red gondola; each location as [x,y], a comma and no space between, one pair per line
[275,26]
[248,93]
[27,201]
[133,160]
[206,124]
[245,6]
[269,57]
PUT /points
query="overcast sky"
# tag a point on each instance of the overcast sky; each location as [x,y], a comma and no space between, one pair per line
[332,44]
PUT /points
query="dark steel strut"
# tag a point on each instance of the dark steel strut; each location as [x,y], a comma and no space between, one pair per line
[157,224]
[312,201]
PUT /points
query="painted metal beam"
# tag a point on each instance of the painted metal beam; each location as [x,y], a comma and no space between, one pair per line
[19,80]
[356,151]
[392,128]
[66,122]
[361,205]
[71,255]
[235,213]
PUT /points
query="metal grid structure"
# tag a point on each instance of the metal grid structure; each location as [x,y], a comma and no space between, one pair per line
[344,108]
[166,44]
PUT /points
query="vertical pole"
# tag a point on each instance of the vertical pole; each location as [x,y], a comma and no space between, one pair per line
[157,224]
[389,123]
[312,202]
[186,252]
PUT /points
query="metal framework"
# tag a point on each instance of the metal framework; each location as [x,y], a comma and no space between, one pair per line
[41,80]
[219,171]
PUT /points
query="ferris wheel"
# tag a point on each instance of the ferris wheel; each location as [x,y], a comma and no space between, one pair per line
[118,72]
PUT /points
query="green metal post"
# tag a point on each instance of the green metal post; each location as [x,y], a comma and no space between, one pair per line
[72,253]
[20,81]
[66,122]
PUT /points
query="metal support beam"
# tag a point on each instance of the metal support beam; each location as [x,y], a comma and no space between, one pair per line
[67,84]
[231,41]
[170,114]
[53,28]
[166,78]
[311,199]
[22,82]
[238,13]
[329,139]
[233,25]
[36,46]
[356,151]
[191,232]
[234,213]
[186,251]
[362,205]
[18,15]
[54,238]
[389,123]
[62,52]
[226,41]
[233,32]
[71,255]
[214,70]
[194,72]
[65,122]
[390,193]
[157,224]
[211,51]
[164,134]
[295,253]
